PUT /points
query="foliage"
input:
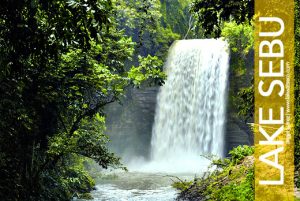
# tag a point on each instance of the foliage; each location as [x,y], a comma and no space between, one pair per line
[89,141]
[67,181]
[211,14]
[145,71]
[239,153]
[239,36]
[143,21]
[242,192]
[233,179]
[241,40]
[61,63]
[183,185]
[176,15]
[246,102]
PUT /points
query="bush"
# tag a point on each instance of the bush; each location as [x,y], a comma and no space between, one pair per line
[232,180]
[239,153]
[69,180]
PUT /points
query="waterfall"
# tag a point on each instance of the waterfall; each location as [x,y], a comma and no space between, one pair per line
[191,106]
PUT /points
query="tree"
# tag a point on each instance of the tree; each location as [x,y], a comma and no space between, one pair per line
[211,14]
[142,20]
[61,62]
[241,42]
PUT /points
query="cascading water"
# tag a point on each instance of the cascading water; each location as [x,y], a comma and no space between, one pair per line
[189,121]
[191,106]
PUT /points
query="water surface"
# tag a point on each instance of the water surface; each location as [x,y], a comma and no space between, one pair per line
[137,186]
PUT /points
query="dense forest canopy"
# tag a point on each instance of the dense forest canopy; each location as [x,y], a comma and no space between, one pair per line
[63,61]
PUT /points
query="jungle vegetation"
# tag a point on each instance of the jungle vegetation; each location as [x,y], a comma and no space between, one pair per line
[63,61]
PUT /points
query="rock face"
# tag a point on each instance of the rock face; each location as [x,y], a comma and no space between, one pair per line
[130,125]
[238,131]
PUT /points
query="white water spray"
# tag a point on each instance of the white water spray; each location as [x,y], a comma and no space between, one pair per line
[191,106]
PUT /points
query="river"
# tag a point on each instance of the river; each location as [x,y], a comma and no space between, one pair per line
[137,186]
